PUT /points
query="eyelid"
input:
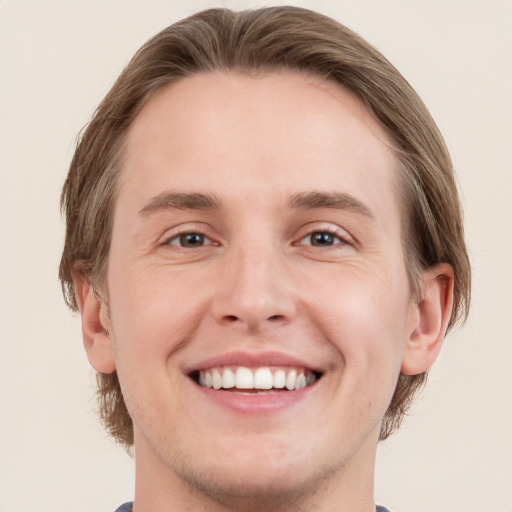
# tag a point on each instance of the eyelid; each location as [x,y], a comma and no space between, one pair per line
[207,240]
[307,230]
[336,231]
[178,231]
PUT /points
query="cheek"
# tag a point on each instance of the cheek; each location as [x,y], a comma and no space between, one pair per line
[365,316]
[151,323]
[154,313]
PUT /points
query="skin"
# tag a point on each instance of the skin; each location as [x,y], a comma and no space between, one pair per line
[257,283]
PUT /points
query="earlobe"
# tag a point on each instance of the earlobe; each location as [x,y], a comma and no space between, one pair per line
[96,326]
[432,315]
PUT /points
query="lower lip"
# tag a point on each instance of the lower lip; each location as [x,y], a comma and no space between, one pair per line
[255,403]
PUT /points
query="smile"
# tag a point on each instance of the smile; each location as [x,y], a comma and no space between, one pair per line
[264,378]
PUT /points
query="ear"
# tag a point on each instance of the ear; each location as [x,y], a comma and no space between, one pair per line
[430,320]
[96,326]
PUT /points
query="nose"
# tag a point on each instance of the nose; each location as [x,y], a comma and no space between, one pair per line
[257,292]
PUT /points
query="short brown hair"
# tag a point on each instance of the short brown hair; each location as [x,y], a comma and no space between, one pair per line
[266,40]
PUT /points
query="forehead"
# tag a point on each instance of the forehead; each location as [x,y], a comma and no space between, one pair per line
[279,132]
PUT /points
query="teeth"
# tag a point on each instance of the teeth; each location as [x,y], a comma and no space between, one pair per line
[291,378]
[244,378]
[300,382]
[259,378]
[228,379]
[280,379]
[263,379]
[217,379]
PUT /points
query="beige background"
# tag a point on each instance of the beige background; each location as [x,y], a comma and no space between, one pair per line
[57,59]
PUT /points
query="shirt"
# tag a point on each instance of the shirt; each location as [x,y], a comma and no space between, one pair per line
[127,507]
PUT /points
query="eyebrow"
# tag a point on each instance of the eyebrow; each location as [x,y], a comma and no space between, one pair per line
[180,201]
[301,201]
[335,200]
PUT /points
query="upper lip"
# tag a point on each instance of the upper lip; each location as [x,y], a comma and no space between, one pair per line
[254,360]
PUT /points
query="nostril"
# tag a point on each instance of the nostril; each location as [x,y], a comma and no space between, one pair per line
[232,318]
[275,317]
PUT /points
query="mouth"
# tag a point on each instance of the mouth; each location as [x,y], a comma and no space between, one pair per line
[255,380]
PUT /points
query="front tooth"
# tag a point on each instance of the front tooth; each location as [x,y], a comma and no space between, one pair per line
[290,380]
[263,379]
[244,378]
[301,381]
[279,379]
[216,379]
[228,379]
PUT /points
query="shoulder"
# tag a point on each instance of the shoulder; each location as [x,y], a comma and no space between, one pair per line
[127,507]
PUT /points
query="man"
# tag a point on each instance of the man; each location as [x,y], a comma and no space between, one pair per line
[264,241]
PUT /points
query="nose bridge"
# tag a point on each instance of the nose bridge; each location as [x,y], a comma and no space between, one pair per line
[258,287]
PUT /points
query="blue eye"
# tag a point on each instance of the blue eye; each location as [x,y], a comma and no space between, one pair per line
[322,239]
[189,240]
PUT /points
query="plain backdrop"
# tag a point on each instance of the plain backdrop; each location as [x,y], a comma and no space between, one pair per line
[57,60]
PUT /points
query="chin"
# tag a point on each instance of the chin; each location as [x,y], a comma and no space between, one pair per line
[254,486]
[257,477]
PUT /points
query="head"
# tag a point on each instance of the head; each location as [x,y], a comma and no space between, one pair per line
[258,44]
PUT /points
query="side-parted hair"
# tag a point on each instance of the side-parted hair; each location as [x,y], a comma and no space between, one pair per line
[254,42]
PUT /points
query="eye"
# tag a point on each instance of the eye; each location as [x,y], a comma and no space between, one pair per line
[189,240]
[322,239]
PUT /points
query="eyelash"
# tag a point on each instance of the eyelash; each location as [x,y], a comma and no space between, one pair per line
[326,230]
[177,236]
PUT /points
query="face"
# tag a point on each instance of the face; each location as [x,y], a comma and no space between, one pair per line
[258,295]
